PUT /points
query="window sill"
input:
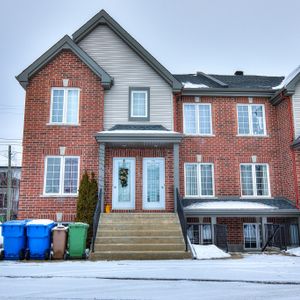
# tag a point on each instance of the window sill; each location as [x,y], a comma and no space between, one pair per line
[201,197]
[253,136]
[256,197]
[64,124]
[59,196]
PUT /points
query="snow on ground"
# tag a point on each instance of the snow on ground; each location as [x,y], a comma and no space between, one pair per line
[229,205]
[253,277]
[209,251]
[294,251]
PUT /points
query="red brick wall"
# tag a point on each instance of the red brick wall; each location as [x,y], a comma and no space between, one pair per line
[41,139]
[286,155]
[139,154]
[226,150]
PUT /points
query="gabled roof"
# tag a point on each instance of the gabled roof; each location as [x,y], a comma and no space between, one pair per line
[65,43]
[104,18]
[287,87]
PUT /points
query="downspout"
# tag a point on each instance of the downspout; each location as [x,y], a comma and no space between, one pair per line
[293,151]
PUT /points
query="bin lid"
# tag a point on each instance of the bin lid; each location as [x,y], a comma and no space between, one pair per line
[40,222]
[15,223]
[78,224]
[59,228]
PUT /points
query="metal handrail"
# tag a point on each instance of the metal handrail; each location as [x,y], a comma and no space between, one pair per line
[182,219]
[96,219]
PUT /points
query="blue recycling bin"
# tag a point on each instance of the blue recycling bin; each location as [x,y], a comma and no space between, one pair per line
[14,239]
[39,239]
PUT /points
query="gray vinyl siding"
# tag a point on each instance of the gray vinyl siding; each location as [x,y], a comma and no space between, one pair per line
[128,70]
[296,110]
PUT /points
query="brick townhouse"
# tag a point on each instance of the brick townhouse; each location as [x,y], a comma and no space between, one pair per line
[219,150]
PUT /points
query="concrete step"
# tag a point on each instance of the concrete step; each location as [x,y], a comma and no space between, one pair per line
[140,240]
[137,233]
[139,247]
[139,215]
[135,221]
[119,255]
[138,226]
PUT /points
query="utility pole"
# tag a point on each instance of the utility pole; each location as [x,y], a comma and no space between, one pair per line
[9,187]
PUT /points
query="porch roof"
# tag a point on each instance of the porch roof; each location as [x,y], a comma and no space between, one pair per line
[154,135]
[236,207]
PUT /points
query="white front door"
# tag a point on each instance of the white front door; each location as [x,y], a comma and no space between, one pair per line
[123,183]
[153,183]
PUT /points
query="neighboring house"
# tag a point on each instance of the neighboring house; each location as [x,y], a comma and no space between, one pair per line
[16,177]
[100,102]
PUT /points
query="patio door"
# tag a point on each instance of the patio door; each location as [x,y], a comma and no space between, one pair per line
[123,183]
[154,183]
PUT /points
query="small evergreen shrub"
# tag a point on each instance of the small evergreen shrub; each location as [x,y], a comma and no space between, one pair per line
[87,201]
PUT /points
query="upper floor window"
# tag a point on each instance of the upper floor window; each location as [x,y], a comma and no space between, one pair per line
[199,179]
[255,180]
[139,104]
[64,106]
[61,175]
[197,119]
[251,119]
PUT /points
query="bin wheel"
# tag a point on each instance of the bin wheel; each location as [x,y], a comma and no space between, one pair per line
[27,254]
[21,254]
[46,255]
[1,254]
[84,256]
[66,256]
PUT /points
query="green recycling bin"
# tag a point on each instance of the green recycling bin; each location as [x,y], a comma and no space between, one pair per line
[77,240]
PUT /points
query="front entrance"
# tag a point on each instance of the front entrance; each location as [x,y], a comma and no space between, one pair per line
[153,183]
[123,183]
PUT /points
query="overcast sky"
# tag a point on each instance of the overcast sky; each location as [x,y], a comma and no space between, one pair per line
[214,36]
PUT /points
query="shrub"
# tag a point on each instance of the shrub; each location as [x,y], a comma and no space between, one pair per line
[87,201]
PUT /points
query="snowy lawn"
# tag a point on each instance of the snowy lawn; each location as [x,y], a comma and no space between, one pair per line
[253,277]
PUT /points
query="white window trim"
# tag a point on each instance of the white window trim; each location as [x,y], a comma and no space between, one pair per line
[65,107]
[146,104]
[250,120]
[197,119]
[254,181]
[62,175]
[199,190]
[257,234]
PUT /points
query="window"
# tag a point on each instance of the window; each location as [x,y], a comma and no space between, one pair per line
[197,119]
[251,119]
[252,236]
[199,180]
[255,180]
[64,106]
[139,104]
[200,233]
[61,175]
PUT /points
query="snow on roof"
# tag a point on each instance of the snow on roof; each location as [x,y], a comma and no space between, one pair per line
[288,79]
[40,222]
[139,131]
[190,85]
[229,205]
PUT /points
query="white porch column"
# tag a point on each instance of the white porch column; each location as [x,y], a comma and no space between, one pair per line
[213,221]
[101,172]
[263,230]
